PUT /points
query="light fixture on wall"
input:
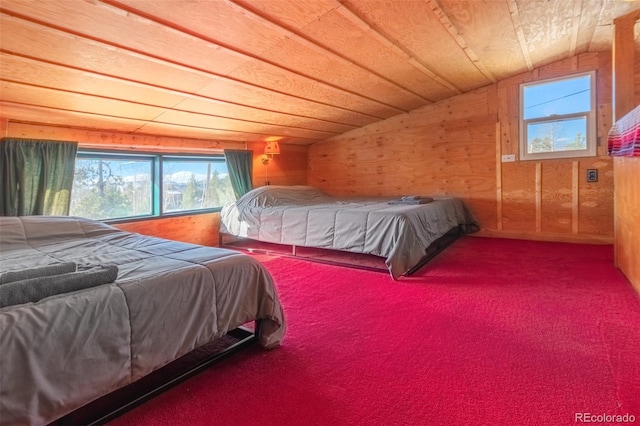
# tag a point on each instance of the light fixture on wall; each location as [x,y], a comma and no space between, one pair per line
[272,147]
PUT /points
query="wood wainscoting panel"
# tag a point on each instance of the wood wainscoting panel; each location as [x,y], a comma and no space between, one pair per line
[626,66]
[628,217]
[595,213]
[557,197]
[200,229]
[519,196]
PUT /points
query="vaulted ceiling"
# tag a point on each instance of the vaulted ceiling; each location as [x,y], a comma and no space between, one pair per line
[296,70]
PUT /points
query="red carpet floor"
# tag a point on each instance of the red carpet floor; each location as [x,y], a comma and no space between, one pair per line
[490,332]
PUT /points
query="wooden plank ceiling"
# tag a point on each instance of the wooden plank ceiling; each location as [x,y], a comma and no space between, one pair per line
[294,70]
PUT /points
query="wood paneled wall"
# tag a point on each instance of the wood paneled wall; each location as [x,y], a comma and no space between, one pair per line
[454,147]
[287,168]
[417,153]
[627,169]
[551,199]
[196,229]
[627,238]
[636,37]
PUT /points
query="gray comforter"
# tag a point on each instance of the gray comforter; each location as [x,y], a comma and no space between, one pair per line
[66,350]
[306,216]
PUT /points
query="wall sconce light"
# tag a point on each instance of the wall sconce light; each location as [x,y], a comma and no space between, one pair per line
[272,147]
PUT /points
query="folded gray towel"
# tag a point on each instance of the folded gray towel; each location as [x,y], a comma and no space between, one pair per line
[416,197]
[35,289]
[42,271]
[412,202]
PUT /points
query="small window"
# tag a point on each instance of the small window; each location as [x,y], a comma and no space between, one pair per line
[112,186]
[195,183]
[558,118]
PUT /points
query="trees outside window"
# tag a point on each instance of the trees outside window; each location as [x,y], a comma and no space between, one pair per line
[114,186]
[108,187]
[195,183]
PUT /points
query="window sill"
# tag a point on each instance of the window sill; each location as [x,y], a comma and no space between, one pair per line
[134,219]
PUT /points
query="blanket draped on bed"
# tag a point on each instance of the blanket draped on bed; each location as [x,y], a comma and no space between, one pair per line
[624,136]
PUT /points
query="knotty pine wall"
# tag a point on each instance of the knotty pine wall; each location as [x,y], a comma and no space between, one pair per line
[287,168]
[454,147]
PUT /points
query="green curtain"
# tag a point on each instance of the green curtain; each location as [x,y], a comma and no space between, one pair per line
[240,164]
[36,176]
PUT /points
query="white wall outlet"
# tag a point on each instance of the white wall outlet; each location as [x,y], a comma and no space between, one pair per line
[508,158]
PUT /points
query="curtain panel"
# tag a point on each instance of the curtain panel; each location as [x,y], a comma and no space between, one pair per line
[240,164]
[36,176]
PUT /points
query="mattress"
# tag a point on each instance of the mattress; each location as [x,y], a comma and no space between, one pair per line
[66,350]
[305,216]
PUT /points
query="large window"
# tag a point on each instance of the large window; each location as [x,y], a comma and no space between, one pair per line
[558,118]
[117,186]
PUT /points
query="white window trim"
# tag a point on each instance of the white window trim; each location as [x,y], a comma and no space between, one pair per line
[591,116]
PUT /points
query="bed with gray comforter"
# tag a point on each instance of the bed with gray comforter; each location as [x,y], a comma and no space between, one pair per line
[61,351]
[387,227]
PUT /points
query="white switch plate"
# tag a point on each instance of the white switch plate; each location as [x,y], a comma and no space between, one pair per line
[508,158]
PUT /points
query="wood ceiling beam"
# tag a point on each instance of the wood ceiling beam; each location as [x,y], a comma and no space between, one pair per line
[199,70]
[603,35]
[286,33]
[448,25]
[296,35]
[109,107]
[592,29]
[517,25]
[9,61]
[27,113]
[24,113]
[394,45]
[575,26]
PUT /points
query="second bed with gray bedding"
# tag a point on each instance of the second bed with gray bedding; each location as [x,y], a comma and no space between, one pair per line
[305,216]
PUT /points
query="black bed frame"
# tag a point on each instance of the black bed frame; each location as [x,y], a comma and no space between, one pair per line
[116,403]
[437,247]
[245,244]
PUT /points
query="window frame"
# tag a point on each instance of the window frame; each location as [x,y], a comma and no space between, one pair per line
[157,160]
[590,116]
